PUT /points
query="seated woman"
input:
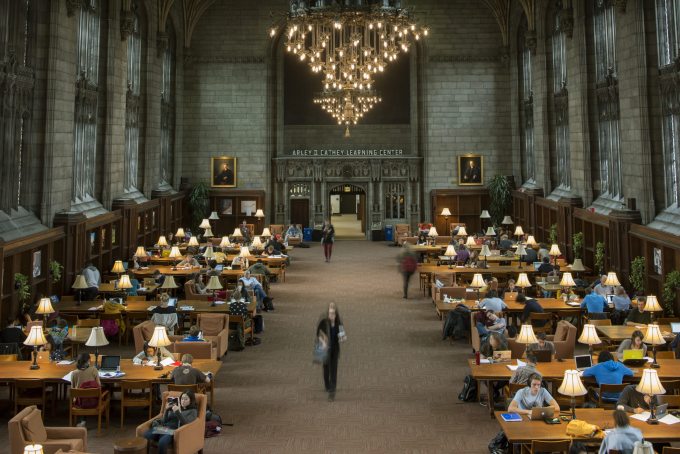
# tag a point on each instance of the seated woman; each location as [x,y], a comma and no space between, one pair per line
[176,415]
[150,354]
[293,232]
[199,284]
[494,342]
[163,306]
[189,260]
[112,327]
[634,343]
[85,376]
[495,323]
[623,437]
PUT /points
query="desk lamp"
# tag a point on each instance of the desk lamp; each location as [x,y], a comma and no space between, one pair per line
[140,252]
[485,252]
[519,233]
[477,283]
[179,235]
[470,241]
[484,215]
[526,336]
[523,282]
[238,235]
[589,336]
[33,449]
[433,234]
[259,214]
[162,242]
[652,305]
[531,241]
[208,233]
[193,241]
[257,243]
[521,252]
[79,285]
[651,385]
[124,284]
[169,283]
[554,253]
[446,213]
[208,254]
[567,283]
[175,254]
[35,338]
[490,232]
[205,224]
[213,216]
[118,268]
[45,308]
[97,339]
[462,231]
[245,257]
[225,242]
[653,336]
[572,386]
[450,253]
[266,234]
[507,220]
[158,340]
[214,285]
[577,266]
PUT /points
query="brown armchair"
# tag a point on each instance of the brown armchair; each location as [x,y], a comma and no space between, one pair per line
[401,231]
[189,438]
[192,295]
[564,339]
[143,332]
[199,350]
[448,280]
[215,328]
[27,428]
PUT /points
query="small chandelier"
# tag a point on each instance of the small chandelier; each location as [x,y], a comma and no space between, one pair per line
[347,107]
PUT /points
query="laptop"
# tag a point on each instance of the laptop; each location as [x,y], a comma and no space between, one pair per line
[675,327]
[583,362]
[543,356]
[502,355]
[538,413]
[634,358]
[536,265]
[109,363]
[219,268]
[172,302]
[553,279]
[661,411]
[510,296]
[610,300]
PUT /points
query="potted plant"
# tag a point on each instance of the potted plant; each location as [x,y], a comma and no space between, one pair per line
[670,289]
[500,197]
[55,271]
[198,204]
[577,245]
[553,234]
[599,257]
[22,288]
[637,274]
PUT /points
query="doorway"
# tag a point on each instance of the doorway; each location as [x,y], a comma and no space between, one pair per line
[299,212]
[348,211]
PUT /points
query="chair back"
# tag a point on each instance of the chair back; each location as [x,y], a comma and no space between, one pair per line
[170,321]
[544,318]
[600,322]
[669,450]
[142,333]
[276,229]
[672,400]
[86,392]
[454,292]
[212,324]
[609,388]
[550,446]
[180,389]
[9,348]
[671,386]
[90,322]
[514,387]
[199,350]
[127,386]
[27,384]
[33,323]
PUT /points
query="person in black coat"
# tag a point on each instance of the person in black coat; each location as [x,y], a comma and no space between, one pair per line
[331,332]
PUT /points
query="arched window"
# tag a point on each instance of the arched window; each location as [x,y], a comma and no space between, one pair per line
[168,108]
[560,98]
[133,105]
[526,108]
[87,84]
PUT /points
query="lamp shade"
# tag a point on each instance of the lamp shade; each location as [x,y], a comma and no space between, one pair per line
[470,241]
[80,283]
[193,241]
[519,231]
[612,280]
[578,265]
[567,280]
[462,231]
[225,242]
[174,253]
[266,233]
[213,216]
[97,337]
[572,385]
[33,449]
[526,335]
[653,335]
[485,252]
[507,220]
[257,242]
[35,336]
[245,253]
[589,335]
[259,213]
[485,214]
[44,306]
[650,383]
[124,282]
[446,212]
[214,283]
[209,253]
[180,233]
[555,250]
[162,242]
[450,251]
[169,282]
[521,250]
[531,241]
[159,337]
[652,304]
[523,281]
[237,233]
[205,224]
[477,281]
[140,252]
[490,231]
[118,267]
[433,232]
[208,233]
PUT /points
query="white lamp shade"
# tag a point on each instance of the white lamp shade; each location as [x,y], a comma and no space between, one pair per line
[578,265]
[567,280]
[266,233]
[650,383]
[450,251]
[80,282]
[572,385]
[174,253]
[97,337]
[180,233]
[653,335]
[526,335]
[652,304]
[118,267]
[259,213]
[523,281]
[35,336]
[162,242]
[44,306]
[470,241]
[159,338]
[124,282]
[462,231]
[446,212]
[477,281]
[205,224]
[485,252]
[257,242]
[507,220]
[612,280]
[214,216]
[485,214]
[33,449]
[531,241]
[237,233]
[214,283]
[169,282]
[521,250]
[490,231]
[193,241]
[225,242]
[140,252]
[433,232]
[519,231]
[555,250]
[209,253]
[589,335]
[208,233]
[245,252]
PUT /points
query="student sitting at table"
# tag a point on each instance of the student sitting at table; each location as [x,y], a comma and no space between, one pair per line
[495,324]
[493,343]
[293,232]
[492,302]
[638,315]
[240,263]
[199,284]
[522,374]
[634,343]
[633,401]
[85,376]
[595,305]
[150,354]
[623,437]
[534,395]
[542,344]
[530,305]
[194,335]
[186,374]
[158,277]
[163,306]
[509,288]
[545,266]
[189,260]
[178,413]
[608,371]
[12,333]
[463,254]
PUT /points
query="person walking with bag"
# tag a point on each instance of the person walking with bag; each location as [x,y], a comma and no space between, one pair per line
[330,332]
[408,263]
[327,239]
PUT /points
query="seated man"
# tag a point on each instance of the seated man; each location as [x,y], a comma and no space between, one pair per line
[608,371]
[293,232]
[521,374]
[492,302]
[495,324]
[594,303]
[463,254]
[637,315]
[633,401]
[532,396]
[543,344]
[12,334]
[545,267]
[509,288]
[188,375]
[530,305]
[531,255]
[93,279]
[623,437]
[194,335]
[189,260]
[163,306]
[251,283]
[601,289]
[505,243]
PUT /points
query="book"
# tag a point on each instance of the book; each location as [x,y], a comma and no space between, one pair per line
[161,430]
[511,417]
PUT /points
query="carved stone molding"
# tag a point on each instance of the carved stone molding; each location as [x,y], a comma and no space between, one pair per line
[371,169]
[561,100]
[162,41]
[223,59]
[607,92]
[463,58]
[669,86]
[72,6]
[530,41]
[567,22]
[127,24]
[620,5]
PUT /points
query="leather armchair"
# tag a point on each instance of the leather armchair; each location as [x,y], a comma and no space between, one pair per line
[189,438]
[27,428]
[564,339]
[143,332]
[447,279]
[192,295]
[215,328]
[199,350]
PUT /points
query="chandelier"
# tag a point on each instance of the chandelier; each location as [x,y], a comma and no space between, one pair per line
[347,107]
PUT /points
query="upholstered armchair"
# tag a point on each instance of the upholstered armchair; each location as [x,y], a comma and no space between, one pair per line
[192,295]
[143,332]
[564,339]
[27,428]
[198,349]
[215,328]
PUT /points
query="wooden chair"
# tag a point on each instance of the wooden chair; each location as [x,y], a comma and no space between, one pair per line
[608,388]
[103,405]
[667,320]
[546,317]
[671,386]
[88,322]
[31,391]
[547,446]
[596,322]
[241,320]
[672,400]
[135,393]
[669,450]
[510,390]
[665,354]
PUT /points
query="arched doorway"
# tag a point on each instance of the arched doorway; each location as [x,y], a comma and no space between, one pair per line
[348,211]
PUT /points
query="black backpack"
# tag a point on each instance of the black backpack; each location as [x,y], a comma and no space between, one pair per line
[469,391]
[499,444]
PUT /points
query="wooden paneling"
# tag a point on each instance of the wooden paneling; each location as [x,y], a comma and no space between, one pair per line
[465,204]
[595,228]
[230,219]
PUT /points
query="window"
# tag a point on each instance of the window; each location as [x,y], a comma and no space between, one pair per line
[395,206]
[561,101]
[87,82]
[526,110]
[132,106]
[668,20]
[167,110]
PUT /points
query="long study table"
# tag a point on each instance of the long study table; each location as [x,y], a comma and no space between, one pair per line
[143,308]
[618,333]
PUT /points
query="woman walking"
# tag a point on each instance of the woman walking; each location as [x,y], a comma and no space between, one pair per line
[330,332]
[408,264]
[327,239]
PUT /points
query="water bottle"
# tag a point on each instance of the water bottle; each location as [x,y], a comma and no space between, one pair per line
[477,357]
[118,369]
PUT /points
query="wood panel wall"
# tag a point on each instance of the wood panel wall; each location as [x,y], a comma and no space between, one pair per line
[465,204]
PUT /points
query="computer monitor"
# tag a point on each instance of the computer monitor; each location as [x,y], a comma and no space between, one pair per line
[110,362]
[583,362]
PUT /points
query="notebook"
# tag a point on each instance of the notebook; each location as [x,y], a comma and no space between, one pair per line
[511,417]
[583,362]
[109,363]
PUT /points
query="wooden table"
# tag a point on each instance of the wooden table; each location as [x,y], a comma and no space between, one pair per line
[109,288]
[618,333]
[527,430]
[140,309]
[514,308]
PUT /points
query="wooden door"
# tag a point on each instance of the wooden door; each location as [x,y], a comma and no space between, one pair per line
[361,210]
[348,204]
[299,212]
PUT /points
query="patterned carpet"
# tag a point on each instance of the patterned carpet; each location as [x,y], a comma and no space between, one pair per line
[397,382]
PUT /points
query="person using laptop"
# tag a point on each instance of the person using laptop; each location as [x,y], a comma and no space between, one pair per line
[637,315]
[633,401]
[531,256]
[522,373]
[180,413]
[594,304]
[534,395]
[85,376]
[634,343]
[189,261]
[194,335]
[163,306]
[509,288]
[186,374]
[623,437]
[543,344]
[621,300]
[545,267]
[543,252]
[601,289]
[608,371]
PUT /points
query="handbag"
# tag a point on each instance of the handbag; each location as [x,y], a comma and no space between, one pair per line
[320,352]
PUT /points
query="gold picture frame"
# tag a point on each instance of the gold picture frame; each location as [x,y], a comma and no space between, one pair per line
[470,170]
[223,172]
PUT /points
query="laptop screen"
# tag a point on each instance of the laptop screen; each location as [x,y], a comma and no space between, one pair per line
[172,302]
[219,268]
[610,299]
[675,327]
[110,362]
[583,361]
[536,265]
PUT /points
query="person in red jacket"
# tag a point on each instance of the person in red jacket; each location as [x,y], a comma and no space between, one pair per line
[408,263]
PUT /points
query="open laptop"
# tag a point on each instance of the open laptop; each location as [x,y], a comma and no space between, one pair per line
[219,268]
[502,355]
[172,302]
[109,363]
[583,362]
[610,300]
[661,411]
[543,356]
[538,413]
[536,265]
[634,358]
[675,327]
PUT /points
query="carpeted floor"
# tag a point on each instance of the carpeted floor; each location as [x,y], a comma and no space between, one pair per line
[347,227]
[397,385]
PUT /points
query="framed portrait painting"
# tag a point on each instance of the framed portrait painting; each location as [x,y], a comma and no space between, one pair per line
[470,170]
[223,172]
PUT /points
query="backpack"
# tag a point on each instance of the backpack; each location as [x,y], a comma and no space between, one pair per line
[213,427]
[268,304]
[409,264]
[88,402]
[499,444]
[469,391]
[237,340]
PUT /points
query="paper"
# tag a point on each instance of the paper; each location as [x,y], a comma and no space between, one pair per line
[142,289]
[67,377]
[111,374]
[168,362]
[186,308]
[644,416]
[669,419]
[220,302]
[515,367]
[94,308]
[65,362]
[150,308]
[484,361]
[649,360]
[512,367]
